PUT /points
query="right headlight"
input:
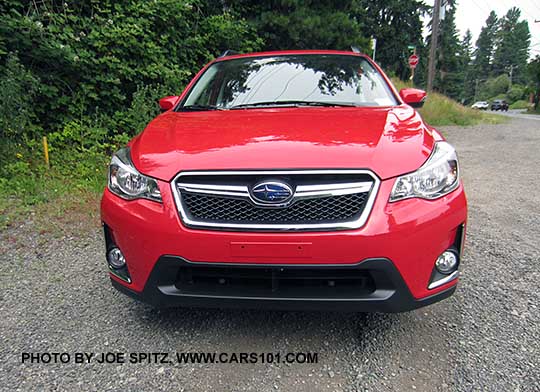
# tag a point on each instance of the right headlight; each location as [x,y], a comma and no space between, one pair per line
[436,178]
[126,181]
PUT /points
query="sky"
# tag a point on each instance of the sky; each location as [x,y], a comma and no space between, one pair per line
[472,14]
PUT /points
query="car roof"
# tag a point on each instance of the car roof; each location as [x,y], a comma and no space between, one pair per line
[289,52]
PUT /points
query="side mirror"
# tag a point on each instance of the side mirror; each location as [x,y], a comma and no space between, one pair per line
[168,103]
[413,97]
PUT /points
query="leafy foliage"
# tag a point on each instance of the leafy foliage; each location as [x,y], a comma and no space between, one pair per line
[18,88]
[87,74]
[90,57]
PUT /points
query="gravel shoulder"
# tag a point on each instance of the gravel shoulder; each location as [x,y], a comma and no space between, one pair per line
[55,296]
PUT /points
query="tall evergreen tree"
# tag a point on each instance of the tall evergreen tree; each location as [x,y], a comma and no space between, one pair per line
[485,46]
[512,52]
[465,55]
[297,24]
[449,78]
[328,24]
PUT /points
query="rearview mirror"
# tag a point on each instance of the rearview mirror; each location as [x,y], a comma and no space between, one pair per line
[413,97]
[168,103]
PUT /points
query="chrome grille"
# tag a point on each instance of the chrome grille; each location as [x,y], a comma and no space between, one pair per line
[323,200]
[323,209]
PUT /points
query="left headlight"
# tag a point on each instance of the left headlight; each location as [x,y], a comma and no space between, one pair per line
[436,178]
[126,181]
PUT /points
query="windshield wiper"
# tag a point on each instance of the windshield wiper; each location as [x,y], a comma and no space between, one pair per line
[199,108]
[292,103]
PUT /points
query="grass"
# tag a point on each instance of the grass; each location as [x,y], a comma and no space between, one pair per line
[441,110]
[63,199]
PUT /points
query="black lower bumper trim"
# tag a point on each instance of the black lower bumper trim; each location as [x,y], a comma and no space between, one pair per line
[390,293]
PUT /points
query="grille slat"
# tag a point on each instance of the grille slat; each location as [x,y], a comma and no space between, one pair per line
[322,200]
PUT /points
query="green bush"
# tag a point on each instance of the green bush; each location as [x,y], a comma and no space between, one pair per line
[516,93]
[91,57]
[18,88]
[494,87]
[88,76]
[521,104]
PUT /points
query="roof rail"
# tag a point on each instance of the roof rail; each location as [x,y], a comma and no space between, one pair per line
[228,52]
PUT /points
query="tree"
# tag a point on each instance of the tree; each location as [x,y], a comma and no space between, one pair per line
[533,69]
[396,24]
[513,39]
[465,59]
[297,24]
[327,24]
[485,46]
[449,78]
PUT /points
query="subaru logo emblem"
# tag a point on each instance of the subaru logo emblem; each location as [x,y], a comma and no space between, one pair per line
[271,192]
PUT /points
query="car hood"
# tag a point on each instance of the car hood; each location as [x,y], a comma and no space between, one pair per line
[388,141]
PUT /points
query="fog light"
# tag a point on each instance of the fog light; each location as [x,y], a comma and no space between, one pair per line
[116,258]
[447,262]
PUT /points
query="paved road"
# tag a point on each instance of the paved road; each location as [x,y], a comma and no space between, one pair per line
[55,297]
[520,114]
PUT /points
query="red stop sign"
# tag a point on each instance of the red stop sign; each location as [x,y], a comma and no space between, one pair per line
[413,61]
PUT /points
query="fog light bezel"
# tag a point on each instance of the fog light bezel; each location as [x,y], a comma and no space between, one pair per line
[121,273]
[439,278]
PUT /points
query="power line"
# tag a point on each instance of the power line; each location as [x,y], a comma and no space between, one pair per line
[488,6]
[480,7]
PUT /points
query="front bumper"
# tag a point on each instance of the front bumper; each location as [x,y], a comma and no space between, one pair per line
[402,239]
[167,287]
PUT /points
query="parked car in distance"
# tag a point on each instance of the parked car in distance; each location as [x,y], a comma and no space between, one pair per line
[481,105]
[499,104]
[291,180]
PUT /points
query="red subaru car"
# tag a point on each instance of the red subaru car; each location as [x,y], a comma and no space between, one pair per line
[292,180]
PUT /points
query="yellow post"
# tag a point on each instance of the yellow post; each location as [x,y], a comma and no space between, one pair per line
[46,151]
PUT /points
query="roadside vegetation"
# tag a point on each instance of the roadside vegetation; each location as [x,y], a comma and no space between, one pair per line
[440,110]
[87,75]
[496,66]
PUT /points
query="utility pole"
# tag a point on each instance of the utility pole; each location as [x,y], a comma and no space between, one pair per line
[433,49]
[511,74]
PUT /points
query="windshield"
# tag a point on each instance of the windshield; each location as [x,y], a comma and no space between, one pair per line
[316,80]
